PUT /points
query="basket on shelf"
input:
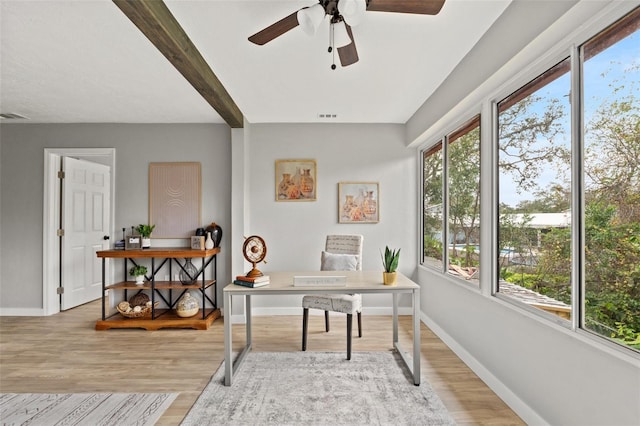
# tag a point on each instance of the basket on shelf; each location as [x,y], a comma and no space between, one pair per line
[126,311]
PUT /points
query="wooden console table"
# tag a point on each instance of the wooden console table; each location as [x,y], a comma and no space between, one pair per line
[162,318]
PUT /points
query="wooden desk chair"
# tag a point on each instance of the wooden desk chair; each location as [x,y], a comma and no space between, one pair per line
[341,253]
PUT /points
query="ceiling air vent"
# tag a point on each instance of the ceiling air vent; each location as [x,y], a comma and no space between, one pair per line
[12,116]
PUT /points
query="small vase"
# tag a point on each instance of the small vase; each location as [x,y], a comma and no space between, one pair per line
[389,278]
[139,279]
[370,205]
[208,243]
[306,184]
[189,274]
[187,306]
[216,233]
[284,184]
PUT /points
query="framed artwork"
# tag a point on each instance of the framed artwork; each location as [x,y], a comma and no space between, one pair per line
[358,202]
[174,199]
[296,180]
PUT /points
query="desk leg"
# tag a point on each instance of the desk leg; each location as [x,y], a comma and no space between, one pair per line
[228,361]
[416,337]
[395,318]
[247,315]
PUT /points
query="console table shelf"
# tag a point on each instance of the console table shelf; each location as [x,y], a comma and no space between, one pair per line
[162,317]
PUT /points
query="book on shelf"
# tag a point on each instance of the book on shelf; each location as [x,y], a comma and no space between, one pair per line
[250,284]
[259,279]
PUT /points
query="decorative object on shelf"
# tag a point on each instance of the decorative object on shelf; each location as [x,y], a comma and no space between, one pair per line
[197,242]
[128,310]
[138,271]
[208,243]
[139,299]
[390,263]
[254,250]
[133,241]
[216,233]
[145,232]
[296,180]
[188,273]
[358,202]
[200,232]
[187,306]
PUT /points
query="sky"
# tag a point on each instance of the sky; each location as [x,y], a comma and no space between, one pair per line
[618,64]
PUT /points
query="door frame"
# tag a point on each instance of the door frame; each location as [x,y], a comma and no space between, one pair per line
[50,222]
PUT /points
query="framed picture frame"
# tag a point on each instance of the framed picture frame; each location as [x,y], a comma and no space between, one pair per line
[296,180]
[175,198]
[197,242]
[358,202]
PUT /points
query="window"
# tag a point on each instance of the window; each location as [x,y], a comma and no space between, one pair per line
[433,205]
[458,207]
[463,195]
[611,106]
[534,165]
[541,262]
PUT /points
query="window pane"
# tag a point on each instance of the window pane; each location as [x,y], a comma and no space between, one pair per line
[534,163]
[432,206]
[463,168]
[612,183]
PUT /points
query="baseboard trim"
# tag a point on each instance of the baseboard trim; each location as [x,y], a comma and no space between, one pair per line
[21,312]
[522,409]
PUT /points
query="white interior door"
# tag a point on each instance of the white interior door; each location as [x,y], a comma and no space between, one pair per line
[86,222]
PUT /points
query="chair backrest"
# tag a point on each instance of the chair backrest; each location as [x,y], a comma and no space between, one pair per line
[345,244]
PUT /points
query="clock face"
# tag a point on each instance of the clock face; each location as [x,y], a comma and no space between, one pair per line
[254,249]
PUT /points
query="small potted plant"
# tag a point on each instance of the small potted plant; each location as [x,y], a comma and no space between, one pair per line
[138,271]
[145,232]
[390,263]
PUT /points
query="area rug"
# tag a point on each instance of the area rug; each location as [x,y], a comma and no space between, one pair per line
[318,388]
[90,409]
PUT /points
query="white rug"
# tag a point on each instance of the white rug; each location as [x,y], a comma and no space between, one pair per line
[318,388]
[90,409]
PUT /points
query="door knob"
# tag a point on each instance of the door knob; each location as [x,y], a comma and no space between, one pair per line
[106,237]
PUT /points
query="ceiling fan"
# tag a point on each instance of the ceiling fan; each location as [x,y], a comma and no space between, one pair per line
[343,15]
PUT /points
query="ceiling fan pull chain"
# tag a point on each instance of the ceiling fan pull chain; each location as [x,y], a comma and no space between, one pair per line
[331,49]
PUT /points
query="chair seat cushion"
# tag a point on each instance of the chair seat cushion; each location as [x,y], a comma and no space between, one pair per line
[344,303]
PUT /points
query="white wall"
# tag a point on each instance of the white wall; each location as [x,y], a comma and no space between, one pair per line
[22,148]
[295,231]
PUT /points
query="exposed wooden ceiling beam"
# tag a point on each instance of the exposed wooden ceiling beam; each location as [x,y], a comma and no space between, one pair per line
[158,24]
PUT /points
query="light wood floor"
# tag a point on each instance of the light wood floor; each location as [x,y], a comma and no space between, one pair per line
[64,354]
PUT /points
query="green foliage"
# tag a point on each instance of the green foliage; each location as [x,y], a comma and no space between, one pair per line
[432,248]
[145,230]
[138,270]
[390,259]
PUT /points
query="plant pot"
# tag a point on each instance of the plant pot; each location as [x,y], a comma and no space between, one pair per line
[389,278]
[146,243]
[139,279]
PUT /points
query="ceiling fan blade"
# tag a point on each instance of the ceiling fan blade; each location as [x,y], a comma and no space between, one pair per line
[348,54]
[275,30]
[422,7]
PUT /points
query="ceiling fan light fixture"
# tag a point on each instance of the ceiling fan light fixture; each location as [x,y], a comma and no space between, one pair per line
[310,18]
[340,35]
[352,11]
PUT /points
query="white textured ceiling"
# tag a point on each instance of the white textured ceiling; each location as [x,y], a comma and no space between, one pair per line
[83,61]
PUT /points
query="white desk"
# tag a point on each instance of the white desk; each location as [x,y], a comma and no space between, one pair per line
[357,282]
